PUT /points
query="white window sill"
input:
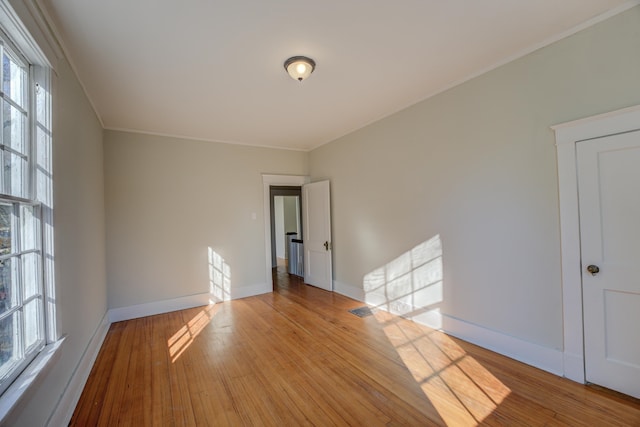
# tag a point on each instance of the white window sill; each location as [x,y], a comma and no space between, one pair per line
[21,387]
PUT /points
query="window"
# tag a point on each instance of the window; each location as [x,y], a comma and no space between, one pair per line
[22,303]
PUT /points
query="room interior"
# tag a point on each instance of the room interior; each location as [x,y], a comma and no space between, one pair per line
[463,164]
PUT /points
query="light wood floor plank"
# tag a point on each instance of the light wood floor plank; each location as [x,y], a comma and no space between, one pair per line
[297,357]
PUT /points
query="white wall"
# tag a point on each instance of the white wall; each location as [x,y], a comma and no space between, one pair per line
[169,200]
[476,166]
[79,240]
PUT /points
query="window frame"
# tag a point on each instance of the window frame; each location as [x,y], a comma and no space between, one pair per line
[26,353]
[26,109]
[37,192]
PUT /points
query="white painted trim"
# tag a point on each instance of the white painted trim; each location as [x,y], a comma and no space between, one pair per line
[570,262]
[39,24]
[159,307]
[66,405]
[181,303]
[201,139]
[619,121]
[250,291]
[573,366]
[24,386]
[64,410]
[567,135]
[541,357]
[14,24]
[547,359]
[348,291]
[54,38]
[268,181]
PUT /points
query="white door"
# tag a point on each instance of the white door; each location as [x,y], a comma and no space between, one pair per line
[317,234]
[609,195]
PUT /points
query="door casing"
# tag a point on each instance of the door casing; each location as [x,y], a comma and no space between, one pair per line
[567,136]
[608,178]
[268,181]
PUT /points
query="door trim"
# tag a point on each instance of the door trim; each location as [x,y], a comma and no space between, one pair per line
[267,182]
[567,135]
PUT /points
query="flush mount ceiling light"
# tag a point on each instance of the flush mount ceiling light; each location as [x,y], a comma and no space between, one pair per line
[299,67]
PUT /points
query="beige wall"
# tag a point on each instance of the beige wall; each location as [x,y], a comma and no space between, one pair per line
[476,165]
[169,200]
[79,235]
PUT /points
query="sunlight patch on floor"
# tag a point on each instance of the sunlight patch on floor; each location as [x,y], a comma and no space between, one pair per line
[459,388]
[181,340]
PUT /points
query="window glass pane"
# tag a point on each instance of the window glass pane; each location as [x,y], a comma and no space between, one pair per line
[9,329]
[13,80]
[42,106]
[15,169]
[30,276]
[8,294]
[29,227]
[6,212]
[32,323]
[13,127]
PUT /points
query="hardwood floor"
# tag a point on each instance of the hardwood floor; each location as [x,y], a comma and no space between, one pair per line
[298,357]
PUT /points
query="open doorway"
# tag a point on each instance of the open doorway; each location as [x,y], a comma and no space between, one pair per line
[286,221]
[269,181]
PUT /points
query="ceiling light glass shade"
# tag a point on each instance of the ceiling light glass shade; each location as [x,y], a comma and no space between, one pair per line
[299,67]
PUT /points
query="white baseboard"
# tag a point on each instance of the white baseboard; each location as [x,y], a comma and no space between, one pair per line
[544,358]
[252,290]
[69,399]
[158,307]
[348,291]
[25,386]
[574,367]
[547,359]
[181,303]
[64,410]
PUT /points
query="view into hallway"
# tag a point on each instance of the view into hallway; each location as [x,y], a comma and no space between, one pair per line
[297,356]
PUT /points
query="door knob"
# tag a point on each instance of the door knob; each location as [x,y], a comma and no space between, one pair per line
[593,269]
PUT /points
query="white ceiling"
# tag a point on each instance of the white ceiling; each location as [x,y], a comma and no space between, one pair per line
[213,69]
